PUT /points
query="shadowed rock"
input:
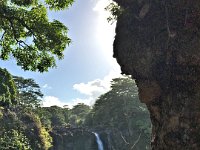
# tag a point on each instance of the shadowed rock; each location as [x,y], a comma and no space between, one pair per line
[158,43]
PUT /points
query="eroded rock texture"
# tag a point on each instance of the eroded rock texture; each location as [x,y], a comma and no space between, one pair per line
[158,43]
[73,139]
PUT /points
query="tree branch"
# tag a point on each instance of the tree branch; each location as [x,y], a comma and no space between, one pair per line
[22,22]
[15,36]
[136,140]
[124,138]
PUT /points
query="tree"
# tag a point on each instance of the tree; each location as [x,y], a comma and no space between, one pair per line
[53,116]
[120,111]
[22,129]
[157,42]
[14,140]
[80,109]
[29,94]
[31,125]
[7,89]
[27,34]
[78,114]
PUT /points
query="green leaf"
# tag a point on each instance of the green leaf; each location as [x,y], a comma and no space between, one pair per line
[27,34]
[59,4]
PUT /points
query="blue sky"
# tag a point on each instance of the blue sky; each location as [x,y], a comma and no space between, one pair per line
[88,66]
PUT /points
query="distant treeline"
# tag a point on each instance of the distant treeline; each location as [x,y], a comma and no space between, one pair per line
[25,125]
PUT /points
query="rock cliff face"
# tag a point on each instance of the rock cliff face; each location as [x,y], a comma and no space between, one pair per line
[82,139]
[73,139]
[117,140]
[158,43]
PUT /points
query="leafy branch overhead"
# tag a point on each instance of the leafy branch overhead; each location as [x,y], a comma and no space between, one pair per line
[115,11]
[27,34]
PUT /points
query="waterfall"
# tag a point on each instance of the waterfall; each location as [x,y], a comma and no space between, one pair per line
[99,142]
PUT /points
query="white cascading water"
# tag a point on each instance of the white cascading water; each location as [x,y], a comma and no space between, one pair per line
[99,142]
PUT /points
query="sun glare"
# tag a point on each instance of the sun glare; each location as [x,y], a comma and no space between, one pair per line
[105,32]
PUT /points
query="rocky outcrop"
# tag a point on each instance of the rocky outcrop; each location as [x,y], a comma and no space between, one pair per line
[157,42]
[84,139]
[73,139]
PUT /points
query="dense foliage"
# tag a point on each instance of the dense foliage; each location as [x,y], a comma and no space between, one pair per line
[20,127]
[55,116]
[7,89]
[13,140]
[27,34]
[29,94]
[120,112]
[117,114]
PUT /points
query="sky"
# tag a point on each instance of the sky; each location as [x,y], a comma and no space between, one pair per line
[88,66]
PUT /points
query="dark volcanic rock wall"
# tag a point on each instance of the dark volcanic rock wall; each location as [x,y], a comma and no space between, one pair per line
[158,43]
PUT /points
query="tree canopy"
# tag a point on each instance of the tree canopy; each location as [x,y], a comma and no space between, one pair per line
[7,89]
[29,93]
[120,111]
[29,36]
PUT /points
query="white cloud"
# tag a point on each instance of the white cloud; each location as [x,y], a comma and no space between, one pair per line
[46,86]
[93,89]
[51,101]
[87,101]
